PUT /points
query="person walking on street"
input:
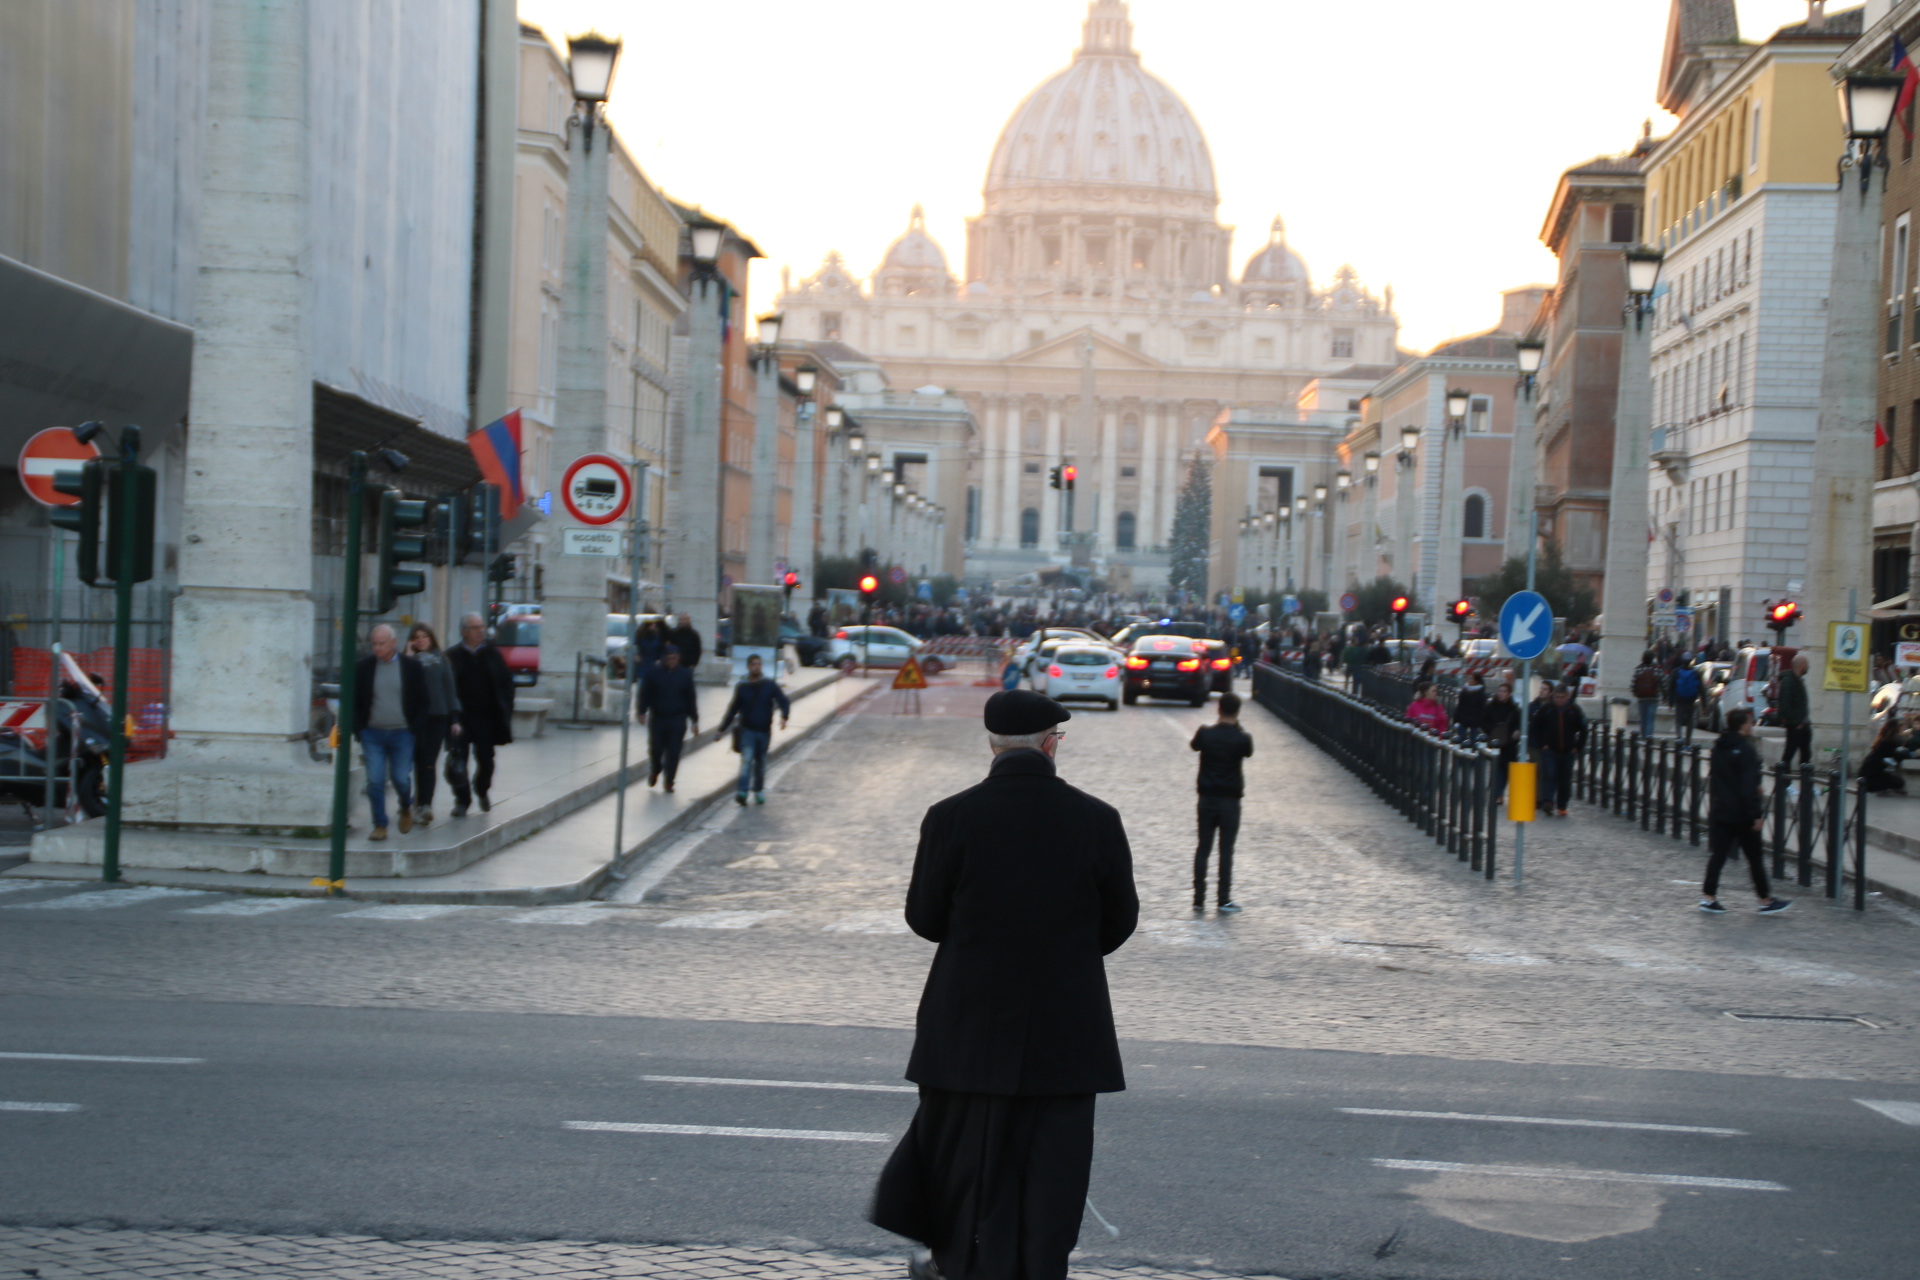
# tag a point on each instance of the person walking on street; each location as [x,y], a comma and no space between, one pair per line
[1222,746]
[484,688]
[443,704]
[1557,733]
[1501,724]
[1353,657]
[390,702]
[667,695]
[1793,712]
[1735,814]
[1025,883]
[1426,711]
[1646,692]
[753,702]
[1470,709]
[687,641]
[1686,698]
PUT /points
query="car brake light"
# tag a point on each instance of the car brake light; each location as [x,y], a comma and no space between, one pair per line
[1112,672]
[1163,645]
[1054,673]
[840,634]
[1189,664]
[1221,664]
[1137,663]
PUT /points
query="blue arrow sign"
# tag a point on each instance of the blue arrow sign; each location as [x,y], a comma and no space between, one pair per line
[1526,624]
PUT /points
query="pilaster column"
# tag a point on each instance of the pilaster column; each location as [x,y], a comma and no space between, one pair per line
[1049,496]
[1109,480]
[763,518]
[1014,416]
[1176,476]
[1519,530]
[802,541]
[1146,522]
[1453,484]
[1623,634]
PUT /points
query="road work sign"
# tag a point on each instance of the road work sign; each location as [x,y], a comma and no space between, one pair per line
[910,676]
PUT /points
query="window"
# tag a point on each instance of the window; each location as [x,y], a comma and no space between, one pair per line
[967,337]
[1050,250]
[1480,415]
[1473,520]
[1030,437]
[973,512]
[1753,145]
[1127,473]
[1030,528]
[1096,253]
[907,336]
[1733,499]
[830,326]
[1142,245]
[1343,344]
[1263,350]
[1032,468]
[1622,224]
[1897,283]
[1740,372]
[1123,530]
[1036,336]
[1202,344]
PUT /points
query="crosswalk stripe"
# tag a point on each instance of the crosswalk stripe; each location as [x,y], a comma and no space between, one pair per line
[1580,1175]
[1904,1112]
[574,915]
[96,1057]
[719,919]
[249,907]
[39,1106]
[869,922]
[1549,1120]
[405,911]
[100,899]
[729,1131]
[787,1084]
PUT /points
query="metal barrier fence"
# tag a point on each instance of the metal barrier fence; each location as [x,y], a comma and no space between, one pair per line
[1446,790]
[1663,784]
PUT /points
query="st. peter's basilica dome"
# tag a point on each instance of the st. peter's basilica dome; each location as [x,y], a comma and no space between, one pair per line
[1276,264]
[914,263]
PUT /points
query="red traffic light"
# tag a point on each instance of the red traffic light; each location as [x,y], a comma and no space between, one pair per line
[869,585]
[1783,615]
[1400,604]
[792,579]
[1069,473]
[1461,608]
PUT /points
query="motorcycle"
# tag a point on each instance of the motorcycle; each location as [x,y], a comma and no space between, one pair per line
[80,765]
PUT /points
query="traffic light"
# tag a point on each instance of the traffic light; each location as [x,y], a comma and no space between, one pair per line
[1400,605]
[1067,475]
[398,516]
[789,580]
[83,517]
[1782,615]
[1053,478]
[480,531]
[146,490]
[501,570]
[1462,610]
[869,588]
[451,515]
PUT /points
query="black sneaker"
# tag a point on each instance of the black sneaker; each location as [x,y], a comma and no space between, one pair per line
[1200,908]
[740,798]
[486,805]
[1775,907]
[1712,907]
[1227,908]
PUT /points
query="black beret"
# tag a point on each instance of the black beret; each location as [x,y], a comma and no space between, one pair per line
[1018,711]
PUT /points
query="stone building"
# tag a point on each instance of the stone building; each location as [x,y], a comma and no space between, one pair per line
[1095,319]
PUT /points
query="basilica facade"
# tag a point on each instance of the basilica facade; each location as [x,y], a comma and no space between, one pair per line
[1096,321]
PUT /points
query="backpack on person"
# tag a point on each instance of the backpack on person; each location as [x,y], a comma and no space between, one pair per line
[1646,683]
[1686,684]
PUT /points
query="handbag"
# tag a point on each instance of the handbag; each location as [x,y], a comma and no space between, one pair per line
[736,737]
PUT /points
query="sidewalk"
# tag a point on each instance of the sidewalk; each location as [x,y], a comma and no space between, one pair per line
[549,837]
[1893,844]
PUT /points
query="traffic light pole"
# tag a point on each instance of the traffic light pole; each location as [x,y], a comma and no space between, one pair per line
[53,672]
[349,653]
[126,529]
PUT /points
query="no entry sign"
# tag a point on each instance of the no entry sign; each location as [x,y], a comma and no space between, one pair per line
[596,489]
[48,453]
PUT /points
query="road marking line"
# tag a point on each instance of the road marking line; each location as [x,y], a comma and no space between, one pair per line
[96,1057]
[730,1131]
[20,886]
[250,907]
[868,922]
[96,899]
[787,1084]
[578,914]
[1580,1175]
[720,919]
[404,911]
[1575,1124]
[39,1106]
[1904,1112]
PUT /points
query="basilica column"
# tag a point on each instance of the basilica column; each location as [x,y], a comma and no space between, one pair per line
[1109,480]
[1050,497]
[1015,438]
[1170,488]
[1146,523]
[988,513]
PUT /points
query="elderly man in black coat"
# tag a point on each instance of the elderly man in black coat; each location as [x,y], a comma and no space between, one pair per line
[1026,883]
[485,688]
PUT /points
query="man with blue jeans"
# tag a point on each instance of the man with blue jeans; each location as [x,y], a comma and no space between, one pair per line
[753,702]
[390,701]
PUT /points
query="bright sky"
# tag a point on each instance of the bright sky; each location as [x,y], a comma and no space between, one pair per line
[1419,141]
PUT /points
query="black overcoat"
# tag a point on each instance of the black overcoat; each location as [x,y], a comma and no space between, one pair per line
[485,687]
[1025,882]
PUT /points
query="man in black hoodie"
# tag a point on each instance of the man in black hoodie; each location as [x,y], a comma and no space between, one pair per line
[1222,746]
[1735,813]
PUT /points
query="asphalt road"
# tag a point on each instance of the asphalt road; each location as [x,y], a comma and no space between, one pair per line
[446,1125]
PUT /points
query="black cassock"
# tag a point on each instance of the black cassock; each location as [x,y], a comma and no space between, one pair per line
[1026,883]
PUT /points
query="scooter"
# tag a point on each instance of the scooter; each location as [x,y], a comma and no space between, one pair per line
[81,740]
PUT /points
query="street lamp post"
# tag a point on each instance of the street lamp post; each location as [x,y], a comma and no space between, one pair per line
[1370,520]
[1321,524]
[802,542]
[1623,629]
[1528,353]
[1343,486]
[1444,582]
[763,522]
[696,585]
[1404,492]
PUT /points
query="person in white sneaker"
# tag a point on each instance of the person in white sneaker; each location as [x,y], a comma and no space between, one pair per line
[1736,814]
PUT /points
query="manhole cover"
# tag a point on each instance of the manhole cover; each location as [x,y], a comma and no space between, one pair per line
[1846,1019]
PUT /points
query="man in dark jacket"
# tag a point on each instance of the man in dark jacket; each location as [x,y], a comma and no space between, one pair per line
[1222,746]
[753,702]
[390,705]
[1735,813]
[1025,883]
[668,696]
[1557,733]
[1793,712]
[687,641]
[485,687]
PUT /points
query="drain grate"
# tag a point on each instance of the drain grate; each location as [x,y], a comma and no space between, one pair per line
[1845,1019]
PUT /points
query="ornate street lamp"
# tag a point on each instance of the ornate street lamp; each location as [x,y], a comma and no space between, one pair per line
[1457,402]
[1371,459]
[591,59]
[805,378]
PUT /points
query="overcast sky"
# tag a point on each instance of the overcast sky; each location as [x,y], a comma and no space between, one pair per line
[1418,140]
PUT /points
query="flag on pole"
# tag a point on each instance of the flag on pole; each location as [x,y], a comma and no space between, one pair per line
[1904,65]
[496,449]
[1879,435]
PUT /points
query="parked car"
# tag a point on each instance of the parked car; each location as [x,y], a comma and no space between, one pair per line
[518,640]
[809,650]
[874,646]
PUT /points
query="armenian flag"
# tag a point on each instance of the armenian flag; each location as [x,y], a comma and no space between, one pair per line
[496,448]
[1904,66]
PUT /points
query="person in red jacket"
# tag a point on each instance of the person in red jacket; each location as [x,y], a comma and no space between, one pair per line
[1426,712]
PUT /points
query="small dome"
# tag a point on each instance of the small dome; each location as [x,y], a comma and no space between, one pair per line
[1275,264]
[915,251]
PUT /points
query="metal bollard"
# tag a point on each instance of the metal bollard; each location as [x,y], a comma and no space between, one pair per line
[1693,795]
[1804,872]
[1780,776]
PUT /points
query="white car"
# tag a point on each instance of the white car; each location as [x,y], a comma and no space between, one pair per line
[1084,672]
[1028,654]
[854,647]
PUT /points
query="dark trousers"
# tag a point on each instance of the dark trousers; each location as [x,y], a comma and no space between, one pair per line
[995,1186]
[1556,779]
[1222,814]
[1721,837]
[1800,739]
[1683,709]
[426,754]
[480,746]
[665,735]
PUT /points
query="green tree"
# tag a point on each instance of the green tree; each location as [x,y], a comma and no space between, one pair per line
[944,585]
[1375,600]
[1551,578]
[1192,530]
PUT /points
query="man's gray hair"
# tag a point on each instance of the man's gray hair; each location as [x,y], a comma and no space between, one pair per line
[391,633]
[1017,741]
[474,618]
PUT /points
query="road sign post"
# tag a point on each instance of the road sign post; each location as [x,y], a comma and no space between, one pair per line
[1526,625]
[1849,671]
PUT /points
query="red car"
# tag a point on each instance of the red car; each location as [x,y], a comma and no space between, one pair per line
[518,640]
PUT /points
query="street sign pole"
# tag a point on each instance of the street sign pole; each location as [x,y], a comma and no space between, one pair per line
[349,656]
[1526,682]
[1846,733]
[126,523]
[633,655]
[53,672]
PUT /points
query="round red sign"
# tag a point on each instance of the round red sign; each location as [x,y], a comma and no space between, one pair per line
[596,489]
[48,453]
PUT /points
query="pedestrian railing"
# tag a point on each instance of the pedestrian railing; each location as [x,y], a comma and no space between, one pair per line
[1662,783]
[1448,791]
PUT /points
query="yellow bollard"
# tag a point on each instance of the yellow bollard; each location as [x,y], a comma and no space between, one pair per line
[1520,790]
